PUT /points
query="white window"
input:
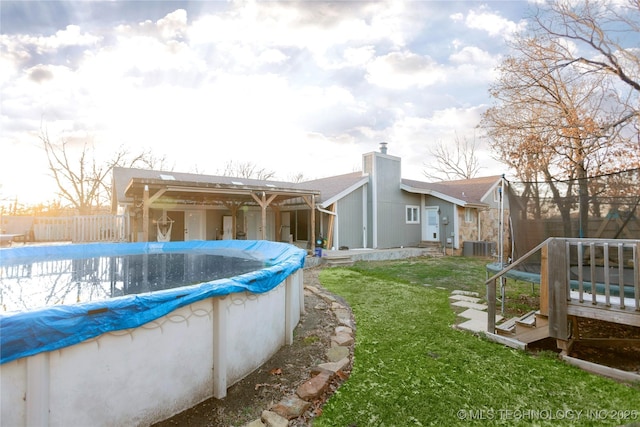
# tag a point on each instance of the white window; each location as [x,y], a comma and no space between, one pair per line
[413,215]
[468,215]
[496,194]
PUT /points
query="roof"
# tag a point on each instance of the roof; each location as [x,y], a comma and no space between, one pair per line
[335,187]
[129,183]
[464,192]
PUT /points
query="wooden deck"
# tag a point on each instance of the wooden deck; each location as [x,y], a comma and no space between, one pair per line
[579,278]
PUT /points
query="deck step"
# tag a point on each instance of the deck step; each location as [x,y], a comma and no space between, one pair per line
[528,320]
[508,327]
[533,334]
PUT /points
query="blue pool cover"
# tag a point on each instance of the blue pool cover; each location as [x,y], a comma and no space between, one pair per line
[30,332]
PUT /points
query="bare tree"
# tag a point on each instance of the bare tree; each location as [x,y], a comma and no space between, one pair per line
[246,170]
[457,162]
[82,181]
[554,123]
[595,27]
[599,37]
[297,177]
[567,98]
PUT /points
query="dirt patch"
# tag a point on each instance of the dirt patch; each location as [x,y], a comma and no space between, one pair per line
[278,377]
[605,343]
[609,344]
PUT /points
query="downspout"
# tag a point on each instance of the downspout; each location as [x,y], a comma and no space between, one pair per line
[479,225]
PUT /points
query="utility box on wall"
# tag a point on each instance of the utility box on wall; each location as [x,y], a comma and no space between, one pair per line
[479,249]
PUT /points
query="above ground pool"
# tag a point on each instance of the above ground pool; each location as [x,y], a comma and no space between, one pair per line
[55,296]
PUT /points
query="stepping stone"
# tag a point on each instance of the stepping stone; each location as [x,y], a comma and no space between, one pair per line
[474,314]
[473,325]
[467,293]
[468,304]
[465,298]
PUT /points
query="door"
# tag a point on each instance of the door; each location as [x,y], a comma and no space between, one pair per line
[431,224]
[194,225]
[227,227]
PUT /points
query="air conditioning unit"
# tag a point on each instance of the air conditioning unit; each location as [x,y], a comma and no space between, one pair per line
[479,248]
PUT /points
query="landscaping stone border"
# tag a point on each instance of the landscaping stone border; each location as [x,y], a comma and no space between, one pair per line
[324,378]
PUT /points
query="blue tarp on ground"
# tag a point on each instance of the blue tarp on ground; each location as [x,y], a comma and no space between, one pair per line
[31,332]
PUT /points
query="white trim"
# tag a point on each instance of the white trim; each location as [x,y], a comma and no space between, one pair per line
[336,229]
[468,215]
[424,228]
[415,212]
[490,191]
[374,205]
[456,228]
[441,196]
[365,215]
[346,192]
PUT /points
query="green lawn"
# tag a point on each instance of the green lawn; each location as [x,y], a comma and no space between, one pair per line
[412,368]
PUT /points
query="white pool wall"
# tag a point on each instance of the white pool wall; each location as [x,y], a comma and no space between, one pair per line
[140,376]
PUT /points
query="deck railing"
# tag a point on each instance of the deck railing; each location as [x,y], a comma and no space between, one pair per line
[604,281]
[594,278]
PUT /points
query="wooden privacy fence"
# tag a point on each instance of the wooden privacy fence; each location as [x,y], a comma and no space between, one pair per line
[81,229]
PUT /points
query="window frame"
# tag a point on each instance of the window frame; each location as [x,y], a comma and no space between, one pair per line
[468,215]
[412,214]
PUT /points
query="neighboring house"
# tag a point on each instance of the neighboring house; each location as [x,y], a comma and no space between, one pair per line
[374,208]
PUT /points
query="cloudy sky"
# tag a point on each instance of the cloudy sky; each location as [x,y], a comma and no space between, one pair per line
[293,87]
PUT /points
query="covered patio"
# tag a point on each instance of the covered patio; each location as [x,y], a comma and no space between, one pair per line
[145,197]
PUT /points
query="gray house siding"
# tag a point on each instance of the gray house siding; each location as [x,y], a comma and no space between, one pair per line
[387,204]
[349,223]
[411,234]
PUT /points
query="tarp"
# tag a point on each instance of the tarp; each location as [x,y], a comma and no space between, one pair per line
[31,332]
